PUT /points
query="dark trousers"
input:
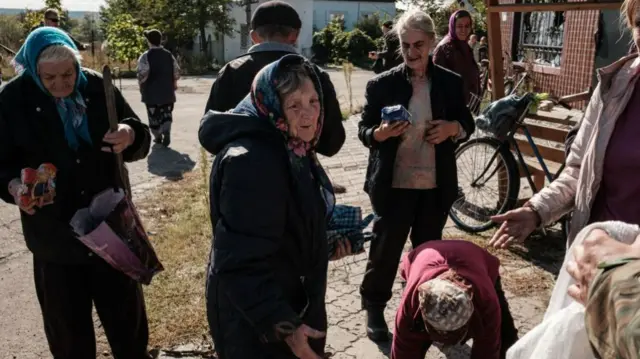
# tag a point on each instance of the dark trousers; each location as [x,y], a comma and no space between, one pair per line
[66,294]
[508,331]
[418,211]
[160,119]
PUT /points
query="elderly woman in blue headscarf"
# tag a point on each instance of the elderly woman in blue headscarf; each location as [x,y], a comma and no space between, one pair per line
[270,203]
[454,53]
[54,113]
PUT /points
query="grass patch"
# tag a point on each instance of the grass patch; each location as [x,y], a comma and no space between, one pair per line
[178,217]
[528,269]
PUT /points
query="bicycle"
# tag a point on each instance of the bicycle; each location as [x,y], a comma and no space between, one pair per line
[499,167]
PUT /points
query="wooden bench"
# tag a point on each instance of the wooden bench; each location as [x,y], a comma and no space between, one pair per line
[549,130]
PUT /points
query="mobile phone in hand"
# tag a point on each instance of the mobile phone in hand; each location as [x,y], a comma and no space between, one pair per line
[395,113]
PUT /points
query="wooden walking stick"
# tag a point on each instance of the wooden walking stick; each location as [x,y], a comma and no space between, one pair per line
[112,114]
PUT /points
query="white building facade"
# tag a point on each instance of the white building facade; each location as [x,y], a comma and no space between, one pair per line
[227,48]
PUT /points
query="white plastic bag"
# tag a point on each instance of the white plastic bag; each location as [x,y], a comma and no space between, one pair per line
[562,334]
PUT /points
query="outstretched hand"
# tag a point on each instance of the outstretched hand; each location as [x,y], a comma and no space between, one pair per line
[516,225]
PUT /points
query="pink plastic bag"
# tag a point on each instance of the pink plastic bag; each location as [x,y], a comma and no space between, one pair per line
[112,229]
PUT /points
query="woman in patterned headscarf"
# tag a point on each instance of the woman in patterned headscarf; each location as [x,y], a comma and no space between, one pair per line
[270,202]
[454,53]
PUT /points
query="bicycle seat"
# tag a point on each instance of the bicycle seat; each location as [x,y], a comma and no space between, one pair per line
[518,68]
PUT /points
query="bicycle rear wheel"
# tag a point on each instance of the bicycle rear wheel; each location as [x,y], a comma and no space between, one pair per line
[488,184]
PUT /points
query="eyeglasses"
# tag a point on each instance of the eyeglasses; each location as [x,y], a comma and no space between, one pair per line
[53,20]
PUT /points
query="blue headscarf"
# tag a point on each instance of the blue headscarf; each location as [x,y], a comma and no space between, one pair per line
[264,103]
[72,109]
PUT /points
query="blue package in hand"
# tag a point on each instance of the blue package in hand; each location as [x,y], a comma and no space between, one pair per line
[395,113]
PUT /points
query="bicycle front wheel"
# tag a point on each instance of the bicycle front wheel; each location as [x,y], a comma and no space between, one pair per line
[488,184]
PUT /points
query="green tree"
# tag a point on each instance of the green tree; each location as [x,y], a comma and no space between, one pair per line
[33,18]
[88,29]
[180,21]
[214,12]
[126,42]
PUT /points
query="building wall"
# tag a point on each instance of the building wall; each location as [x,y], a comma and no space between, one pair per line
[577,62]
[352,11]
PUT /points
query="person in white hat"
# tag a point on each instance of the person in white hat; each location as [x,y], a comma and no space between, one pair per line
[452,294]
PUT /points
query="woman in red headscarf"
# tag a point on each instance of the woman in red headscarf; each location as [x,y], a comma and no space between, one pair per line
[454,53]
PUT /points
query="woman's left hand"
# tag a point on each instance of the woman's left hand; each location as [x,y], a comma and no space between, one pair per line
[120,139]
[442,130]
[343,250]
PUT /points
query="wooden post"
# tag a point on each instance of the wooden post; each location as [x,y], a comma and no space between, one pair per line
[497,77]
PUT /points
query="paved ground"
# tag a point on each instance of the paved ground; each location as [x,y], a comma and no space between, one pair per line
[21,333]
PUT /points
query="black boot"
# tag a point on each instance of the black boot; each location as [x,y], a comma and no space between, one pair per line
[377,329]
[166,139]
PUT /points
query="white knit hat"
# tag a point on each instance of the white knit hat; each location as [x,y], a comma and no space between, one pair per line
[444,305]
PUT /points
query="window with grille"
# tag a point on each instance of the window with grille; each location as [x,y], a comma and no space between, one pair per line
[540,37]
[244,36]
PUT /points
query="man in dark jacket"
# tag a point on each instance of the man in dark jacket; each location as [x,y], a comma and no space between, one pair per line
[275,27]
[52,18]
[158,74]
[390,56]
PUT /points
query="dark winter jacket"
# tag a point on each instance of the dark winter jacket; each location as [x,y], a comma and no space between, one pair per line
[32,133]
[390,56]
[447,104]
[234,83]
[269,255]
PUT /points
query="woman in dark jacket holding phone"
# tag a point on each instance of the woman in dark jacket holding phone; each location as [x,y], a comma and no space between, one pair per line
[412,175]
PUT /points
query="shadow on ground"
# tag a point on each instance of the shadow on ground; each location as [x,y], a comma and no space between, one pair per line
[543,251]
[168,163]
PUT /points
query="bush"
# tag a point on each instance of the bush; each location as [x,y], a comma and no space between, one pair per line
[322,46]
[352,46]
[371,26]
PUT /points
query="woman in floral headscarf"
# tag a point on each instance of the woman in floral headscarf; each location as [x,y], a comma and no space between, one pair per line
[270,202]
[454,53]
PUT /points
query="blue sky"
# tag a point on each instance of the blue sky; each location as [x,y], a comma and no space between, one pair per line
[78,5]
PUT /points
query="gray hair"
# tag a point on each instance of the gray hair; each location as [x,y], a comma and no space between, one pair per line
[291,79]
[415,20]
[59,53]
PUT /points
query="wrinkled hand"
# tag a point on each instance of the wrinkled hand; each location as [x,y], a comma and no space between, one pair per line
[442,130]
[516,225]
[15,189]
[299,342]
[388,129]
[596,248]
[120,139]
[343,249]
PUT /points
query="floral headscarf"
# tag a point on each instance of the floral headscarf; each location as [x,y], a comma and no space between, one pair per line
[264,102]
